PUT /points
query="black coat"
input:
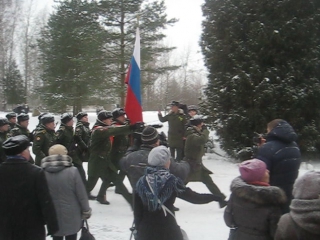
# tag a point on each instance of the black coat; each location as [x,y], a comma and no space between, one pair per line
[134,164]
[25,203]
[157,226]
[282,156]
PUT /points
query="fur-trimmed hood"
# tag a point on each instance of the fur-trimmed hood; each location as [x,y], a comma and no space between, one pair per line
[56,163]
[180,111]
[260,195]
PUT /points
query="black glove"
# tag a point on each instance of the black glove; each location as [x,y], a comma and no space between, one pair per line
[136,126]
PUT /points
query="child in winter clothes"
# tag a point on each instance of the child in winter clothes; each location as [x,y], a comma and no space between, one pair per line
[155,194]
[303,221]
[254,207]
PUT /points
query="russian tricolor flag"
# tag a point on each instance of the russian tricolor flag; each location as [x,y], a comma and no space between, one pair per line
[133,105]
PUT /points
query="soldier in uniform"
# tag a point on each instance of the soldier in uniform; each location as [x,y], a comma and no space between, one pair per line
[12,118]
[120,142]
[4,127]
[100,165]
[82,140]
[44,137]
[176,133]
[197,135]
[21,128]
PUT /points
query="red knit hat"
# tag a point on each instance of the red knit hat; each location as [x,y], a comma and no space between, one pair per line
[252,170]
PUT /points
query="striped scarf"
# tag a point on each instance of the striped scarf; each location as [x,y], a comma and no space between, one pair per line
[163,184]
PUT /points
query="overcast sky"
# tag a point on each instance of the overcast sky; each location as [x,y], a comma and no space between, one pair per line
[184,35]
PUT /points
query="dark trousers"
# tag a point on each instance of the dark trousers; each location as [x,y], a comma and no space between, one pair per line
[117,181]
[82,172]
[121,176]
[69,237]
[213,188]
[176,153]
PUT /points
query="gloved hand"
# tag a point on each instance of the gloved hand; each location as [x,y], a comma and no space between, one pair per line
[136,126]
[204,127]
[86,214]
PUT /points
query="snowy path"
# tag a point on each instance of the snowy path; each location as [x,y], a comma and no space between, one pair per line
[201,222]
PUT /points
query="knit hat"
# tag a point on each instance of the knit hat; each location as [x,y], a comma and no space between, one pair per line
[159,156]
[307,186]
[16,145]
[252,170]
[58,149]
[80,115]
[23,117]
[149,135]
[11,115]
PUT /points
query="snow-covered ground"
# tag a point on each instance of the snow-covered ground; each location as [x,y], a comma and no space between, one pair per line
[205,222]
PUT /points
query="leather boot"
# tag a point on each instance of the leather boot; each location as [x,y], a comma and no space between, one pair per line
[103,200]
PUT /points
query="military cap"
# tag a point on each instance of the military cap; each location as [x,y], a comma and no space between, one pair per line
[103,115]
[192,107]
[81,115]
[197,119]
[66,117]
[23,117]
[3,121]
[11,115]
[47,118]
[41,114]
[118,112]
[174,103]
[16,145]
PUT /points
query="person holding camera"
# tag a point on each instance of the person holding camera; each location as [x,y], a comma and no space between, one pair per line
[176,133]
[197,136]
[282,156]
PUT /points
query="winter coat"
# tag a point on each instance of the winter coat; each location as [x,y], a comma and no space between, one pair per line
[82,139]
[19,130]
[100,164]
[43,139]
[3,137]
[302,223]
[194,150]
[177,122]
[156,225]
[68,193]
[282,156]
[134,165]
[25,202]
[253,210]
[65,137]
[119,147]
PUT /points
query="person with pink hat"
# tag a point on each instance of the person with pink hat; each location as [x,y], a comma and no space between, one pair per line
[254,207]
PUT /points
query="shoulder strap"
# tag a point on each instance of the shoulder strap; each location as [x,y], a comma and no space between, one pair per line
[164,208]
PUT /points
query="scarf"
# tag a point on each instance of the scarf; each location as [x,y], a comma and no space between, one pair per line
[163,184]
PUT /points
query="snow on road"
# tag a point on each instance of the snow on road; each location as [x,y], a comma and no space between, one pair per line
[205,222]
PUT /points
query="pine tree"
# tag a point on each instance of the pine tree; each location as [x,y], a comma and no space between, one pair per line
[121,18]
[13,85]
[73,56]
[263,60]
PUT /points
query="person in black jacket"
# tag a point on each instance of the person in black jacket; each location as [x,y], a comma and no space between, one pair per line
[25,202]
[155,194]
[282,156]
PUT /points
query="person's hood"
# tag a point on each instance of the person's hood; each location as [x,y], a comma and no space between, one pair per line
[261,195]
[56,163]
[306,214]
[283,132]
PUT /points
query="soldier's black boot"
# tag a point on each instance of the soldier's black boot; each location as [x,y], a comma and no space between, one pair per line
[103,200]
[91,197]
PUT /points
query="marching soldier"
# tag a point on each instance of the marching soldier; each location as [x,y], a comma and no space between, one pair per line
[44,137]
[100,164]
[120,142]
[197,135]
[12,118]
[4,127]
[82,139]
[64,135]
[177,121]
[21,128]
